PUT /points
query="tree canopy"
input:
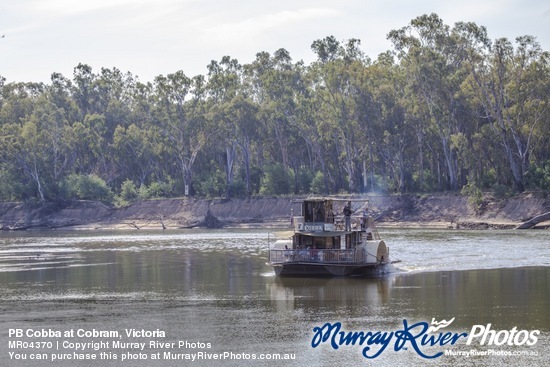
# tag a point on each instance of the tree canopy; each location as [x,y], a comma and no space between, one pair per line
[446,109]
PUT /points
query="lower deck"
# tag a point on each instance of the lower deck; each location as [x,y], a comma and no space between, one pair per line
[341,256]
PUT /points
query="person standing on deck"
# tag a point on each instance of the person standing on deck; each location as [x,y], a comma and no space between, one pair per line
[347,216]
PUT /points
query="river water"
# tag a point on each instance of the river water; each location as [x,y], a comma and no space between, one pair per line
[208,294]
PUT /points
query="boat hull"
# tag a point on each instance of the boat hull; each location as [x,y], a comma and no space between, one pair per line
[330,270]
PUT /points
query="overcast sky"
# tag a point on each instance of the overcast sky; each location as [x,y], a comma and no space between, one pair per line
[152,37]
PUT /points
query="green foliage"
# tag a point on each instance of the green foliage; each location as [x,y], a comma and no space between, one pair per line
[489,179]
[539,176]
[475,196]
[276,181]
[87,187]
[255,179]
[318,183]
[156,189]
[212,185]
[10,189]
[143,192]
[128,193]
[427,183]
[159,189]
[302,180]
[237,188]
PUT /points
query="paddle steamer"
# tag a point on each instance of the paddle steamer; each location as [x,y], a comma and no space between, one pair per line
[330,237]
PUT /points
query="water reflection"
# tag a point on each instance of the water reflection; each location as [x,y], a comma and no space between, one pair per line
[347,291]
[508,297]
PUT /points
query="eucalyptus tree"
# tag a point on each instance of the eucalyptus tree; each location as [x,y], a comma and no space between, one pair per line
[24,142]
[59,93]
[30,157]
[84,92]
[334,72]
[138,151]
[183,132]
[428,52]
[306,125]
[58,151]
[390,130]
[12,174]
[142,104]
[18,101]
[512,86]
[91,97]
[242,113]
[223,86]
[41,151]
[276,83]
[115,91]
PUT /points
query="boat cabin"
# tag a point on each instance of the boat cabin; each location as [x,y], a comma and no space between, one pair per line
[329,224]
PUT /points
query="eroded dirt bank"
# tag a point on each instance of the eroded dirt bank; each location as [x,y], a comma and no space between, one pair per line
[445,210]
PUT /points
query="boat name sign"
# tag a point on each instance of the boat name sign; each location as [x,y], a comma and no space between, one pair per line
[317,227]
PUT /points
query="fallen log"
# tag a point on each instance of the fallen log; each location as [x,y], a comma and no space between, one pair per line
[534,221]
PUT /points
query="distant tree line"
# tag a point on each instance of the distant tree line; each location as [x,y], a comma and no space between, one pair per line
[447,109]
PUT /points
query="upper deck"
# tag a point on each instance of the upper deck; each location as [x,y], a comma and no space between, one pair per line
[328,215]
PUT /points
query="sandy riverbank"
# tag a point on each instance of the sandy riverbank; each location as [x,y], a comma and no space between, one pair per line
[411,211]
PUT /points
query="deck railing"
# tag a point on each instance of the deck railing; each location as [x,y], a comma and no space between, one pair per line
[347,256]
